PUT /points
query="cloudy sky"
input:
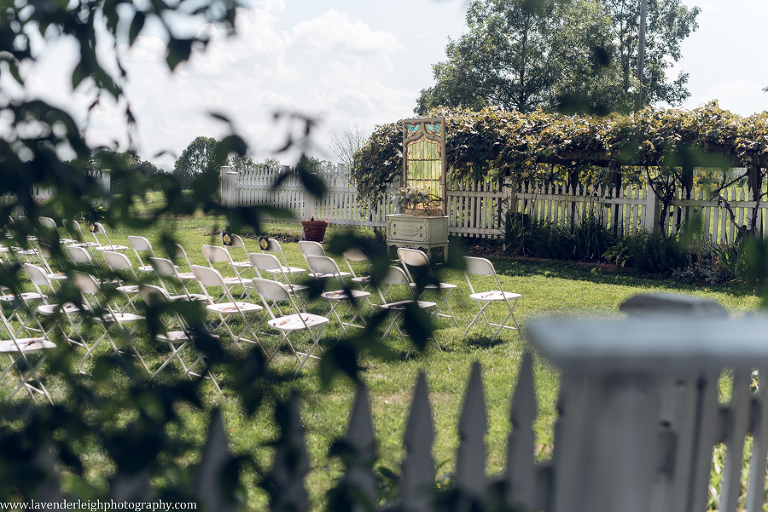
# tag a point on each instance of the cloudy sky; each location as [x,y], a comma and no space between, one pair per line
[349,63]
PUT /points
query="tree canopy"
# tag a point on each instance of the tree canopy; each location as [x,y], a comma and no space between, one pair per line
[198,157]
[576,56]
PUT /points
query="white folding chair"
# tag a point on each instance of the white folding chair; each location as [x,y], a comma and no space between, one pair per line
[272,246]
[310,248]
[140,244]
[45,257]
[215,254]
[228,309]
[273,292]
[75,233]
[357,255]
[187,276]
[396,276]
[50,223]
[497,295]
[40,280]
[98,229]
[21,355]
[106,317]
[416,265]
[168,274]
[120,264]
[176,334]
[235,241]
[268,263]
[329,270]
[79,255]
[20,308]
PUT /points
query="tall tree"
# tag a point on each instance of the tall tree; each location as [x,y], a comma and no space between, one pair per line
[668,24]
[502,61]
[575,56]
[197,158]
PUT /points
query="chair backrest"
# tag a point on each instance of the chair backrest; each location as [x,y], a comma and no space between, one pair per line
[74,230]
[355,254]
[180,250]
[479,266]
[309,248]
[98,228]
[234,240]
[37,275]
[86,283]
[395,276]
[271,290]
[270,245]
[216,254]
[47,223]
[262,261]
[117,261]
[164,267]
[323,265]
[208,276]
[140,243]
[154,295]
[79,255]
[412,257]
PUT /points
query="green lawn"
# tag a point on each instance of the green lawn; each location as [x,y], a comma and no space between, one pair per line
[548,288]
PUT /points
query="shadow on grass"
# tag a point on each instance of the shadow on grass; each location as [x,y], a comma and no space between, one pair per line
[481,338]
[598,274]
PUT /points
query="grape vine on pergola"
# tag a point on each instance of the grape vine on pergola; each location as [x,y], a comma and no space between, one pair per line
[651,142]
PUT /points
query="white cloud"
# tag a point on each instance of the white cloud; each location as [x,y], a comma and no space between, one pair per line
[742,97]
[333,31]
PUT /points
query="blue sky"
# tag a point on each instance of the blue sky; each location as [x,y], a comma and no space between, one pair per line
[349,63]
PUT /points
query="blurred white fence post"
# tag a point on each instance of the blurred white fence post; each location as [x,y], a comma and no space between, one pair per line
[228,186]
[639,417]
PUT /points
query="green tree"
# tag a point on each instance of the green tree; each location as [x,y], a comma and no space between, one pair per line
[669,23]
[571,56]
[199,157]
[502,61]
[241,163]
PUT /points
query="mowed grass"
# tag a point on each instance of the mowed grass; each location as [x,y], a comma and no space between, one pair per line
[547,288]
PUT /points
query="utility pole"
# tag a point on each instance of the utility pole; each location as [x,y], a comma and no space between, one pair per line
[641,54]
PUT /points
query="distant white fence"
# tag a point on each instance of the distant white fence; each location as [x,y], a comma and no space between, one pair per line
[480,208]
[40,193]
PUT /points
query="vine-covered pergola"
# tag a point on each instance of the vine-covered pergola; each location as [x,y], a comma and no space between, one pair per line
[662,145]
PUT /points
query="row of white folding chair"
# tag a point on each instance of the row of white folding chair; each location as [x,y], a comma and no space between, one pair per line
[227,308]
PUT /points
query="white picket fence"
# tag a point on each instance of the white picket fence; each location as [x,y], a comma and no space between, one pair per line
[626,210]
[480,208]
[717,220]
[475,208]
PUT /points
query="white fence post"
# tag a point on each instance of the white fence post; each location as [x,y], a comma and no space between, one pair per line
[228,186]
[652,209]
